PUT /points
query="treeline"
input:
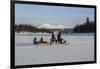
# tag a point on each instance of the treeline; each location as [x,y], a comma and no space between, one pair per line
[87,27]
[28,28]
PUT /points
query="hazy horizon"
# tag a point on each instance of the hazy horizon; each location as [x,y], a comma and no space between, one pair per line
[53,15]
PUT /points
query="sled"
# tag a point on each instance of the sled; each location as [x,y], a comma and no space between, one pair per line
[53,44]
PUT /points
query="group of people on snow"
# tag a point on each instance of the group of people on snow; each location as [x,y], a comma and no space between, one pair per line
[52,40]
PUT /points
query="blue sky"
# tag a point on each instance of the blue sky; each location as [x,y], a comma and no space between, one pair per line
[38,14]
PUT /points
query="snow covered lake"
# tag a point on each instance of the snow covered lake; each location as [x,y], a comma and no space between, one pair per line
[81,48]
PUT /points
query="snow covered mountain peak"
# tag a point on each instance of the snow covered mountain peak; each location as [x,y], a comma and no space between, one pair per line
[48,26]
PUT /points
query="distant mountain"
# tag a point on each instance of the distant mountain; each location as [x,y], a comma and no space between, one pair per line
[48,26]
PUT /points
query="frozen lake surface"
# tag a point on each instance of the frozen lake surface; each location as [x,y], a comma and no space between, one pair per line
[81,48]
